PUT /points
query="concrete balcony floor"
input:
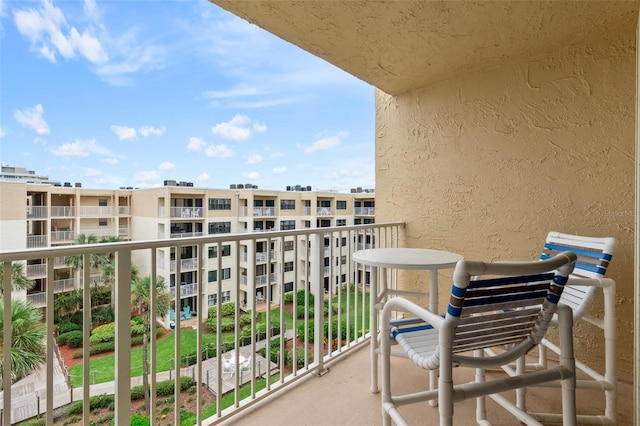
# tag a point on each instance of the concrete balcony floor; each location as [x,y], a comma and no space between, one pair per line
[342,397]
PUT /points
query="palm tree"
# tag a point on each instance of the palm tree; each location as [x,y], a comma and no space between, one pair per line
[27,336]
[19,280]
[141,300]
[95,260]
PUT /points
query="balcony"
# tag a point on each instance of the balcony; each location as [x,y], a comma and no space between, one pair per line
[364,211]
[105,231]
[150,249]
[37,212]
[123,231]
[124,210]
[264,211]
[36,271]
[96,211]
[185,265]
[37,241]
[186,212]
[261,257]
[62,236]
[184,234]
[324,211]
[63,211]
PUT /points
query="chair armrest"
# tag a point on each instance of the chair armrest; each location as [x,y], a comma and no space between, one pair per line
[401,304]
[592,282]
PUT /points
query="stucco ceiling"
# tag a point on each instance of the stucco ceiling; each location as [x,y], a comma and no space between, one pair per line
[399,45]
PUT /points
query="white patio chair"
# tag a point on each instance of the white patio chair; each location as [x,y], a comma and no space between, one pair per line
[508,303]
[594,255]
[227,367]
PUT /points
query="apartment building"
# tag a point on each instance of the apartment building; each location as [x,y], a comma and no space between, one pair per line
[249,271]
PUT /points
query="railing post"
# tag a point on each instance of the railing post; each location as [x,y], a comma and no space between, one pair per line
[317,281]
[123,337]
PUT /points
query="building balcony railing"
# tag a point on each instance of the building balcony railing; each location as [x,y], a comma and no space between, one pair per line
[37,212]
[186,290]
[124,210]
[364,211]
[353,318]
[36,271]
[105,231]
[306,211]
[37,241]
[261,257]
[324,211]
[62,236]
[264,211]
[186,265]
[186,212]
[96,211]
[185,234]
[123,231]
[63,211]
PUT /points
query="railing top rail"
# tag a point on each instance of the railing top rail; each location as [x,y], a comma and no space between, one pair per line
[74,250]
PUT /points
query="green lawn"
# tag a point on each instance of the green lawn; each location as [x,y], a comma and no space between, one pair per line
[102,369]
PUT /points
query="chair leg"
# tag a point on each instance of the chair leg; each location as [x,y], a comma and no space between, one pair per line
[568,362]
[481,401]
[521,393]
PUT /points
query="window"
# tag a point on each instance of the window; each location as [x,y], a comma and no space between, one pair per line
[219,203]
[341,205]
[288,266]
[219,227]
[343,277]
[213,251]
[102,202]
[344,241]
[212,300]
[288,245]
[102,222]
[343,260]
[287,204]
[213,276]
[341,222]
[357,221]
[226,274]
[307,224]
[288,287]
[287,224]
[226,296]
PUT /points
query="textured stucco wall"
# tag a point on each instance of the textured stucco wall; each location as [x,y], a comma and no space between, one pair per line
[485,165]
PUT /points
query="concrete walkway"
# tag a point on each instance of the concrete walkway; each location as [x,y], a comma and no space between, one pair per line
[29,395]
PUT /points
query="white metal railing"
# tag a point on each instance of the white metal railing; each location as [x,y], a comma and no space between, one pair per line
[124,210]
[186,212]
[261,257]
[105,231]
[36,271]
[186,290]
[364,211]
[37,241]
[67,284]
[39,300]
[324,211]
[62,236]
[123,231]
[306,211]
[351,317]
[185,265]
[185,234]
[63,211]
[264,211]
[37,212]
[58,262]
[96,211]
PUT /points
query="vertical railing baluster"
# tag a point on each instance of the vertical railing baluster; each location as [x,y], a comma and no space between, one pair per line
[123,337]
[153,314]
[86,332]
[6,345]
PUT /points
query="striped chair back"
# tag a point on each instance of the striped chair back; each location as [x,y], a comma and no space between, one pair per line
[594,255]
[491,306]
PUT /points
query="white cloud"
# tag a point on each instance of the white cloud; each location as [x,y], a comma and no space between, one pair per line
[202,177]
[254,159]
[218,151]
[167,165]
[276,155]
[195,144]
[149,130]
[45,28]
[251,175]
[112,161]
[32,118]
[81,148]
[259,127]
[92,172]
[235,129]
[327,143]
[279,170]
[124,132]
[146,176]
[3,132]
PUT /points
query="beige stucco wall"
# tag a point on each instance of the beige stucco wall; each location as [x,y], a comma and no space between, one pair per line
[486,164]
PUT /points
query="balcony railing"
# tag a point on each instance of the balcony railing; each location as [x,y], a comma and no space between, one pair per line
[186,212]
[185,234]
[37,241]
[63,211]
[37,212]
[185,265]
[124,210]
[324,211]
[105,231]
[36,271]
[264,211]
[96,211]
[62,236]
[352,317]
[123,231]
[364,211]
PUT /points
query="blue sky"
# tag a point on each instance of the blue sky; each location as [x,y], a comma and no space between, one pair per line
[130,93]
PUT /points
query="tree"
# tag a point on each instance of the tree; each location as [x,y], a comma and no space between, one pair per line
[19,280]
[141,300]
[96,260]
[27,339]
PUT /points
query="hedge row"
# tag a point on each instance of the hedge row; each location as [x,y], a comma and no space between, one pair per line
[100,348]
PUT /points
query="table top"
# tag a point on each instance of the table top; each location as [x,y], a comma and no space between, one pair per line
[407,258]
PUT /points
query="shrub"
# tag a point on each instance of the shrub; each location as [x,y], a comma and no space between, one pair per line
[300,311]
[74,339]
[137,392]
[95,403]
[65,327]
[62,339]
[245,319]
[109,328]
[227,309]
[300,331]
[288,297]
[299,357]
[300,295]
[137,420]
